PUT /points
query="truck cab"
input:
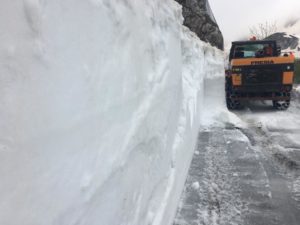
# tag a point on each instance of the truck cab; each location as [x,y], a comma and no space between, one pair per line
[257,71]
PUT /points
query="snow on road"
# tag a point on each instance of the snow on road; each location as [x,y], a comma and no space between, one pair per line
[248,173]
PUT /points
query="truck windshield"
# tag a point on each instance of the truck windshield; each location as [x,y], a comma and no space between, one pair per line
[253,50]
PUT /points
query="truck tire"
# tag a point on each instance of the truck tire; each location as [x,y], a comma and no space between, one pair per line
[282,105]
[231,103]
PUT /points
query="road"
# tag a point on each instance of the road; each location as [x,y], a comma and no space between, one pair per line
[246,175]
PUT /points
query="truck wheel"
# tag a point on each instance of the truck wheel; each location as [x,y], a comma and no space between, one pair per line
[231,102]
[281,105]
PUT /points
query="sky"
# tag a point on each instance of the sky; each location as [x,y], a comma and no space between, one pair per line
[236,16]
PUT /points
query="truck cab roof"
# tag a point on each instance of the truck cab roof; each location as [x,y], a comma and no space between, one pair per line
[253,42]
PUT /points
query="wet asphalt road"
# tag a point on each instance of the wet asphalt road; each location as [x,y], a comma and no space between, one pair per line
[243,176]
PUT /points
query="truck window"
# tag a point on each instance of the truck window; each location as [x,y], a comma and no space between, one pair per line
[253,50]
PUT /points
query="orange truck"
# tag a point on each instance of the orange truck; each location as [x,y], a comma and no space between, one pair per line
[258,71]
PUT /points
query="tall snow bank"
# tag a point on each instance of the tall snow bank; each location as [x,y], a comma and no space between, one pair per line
[100,104]
[202,75]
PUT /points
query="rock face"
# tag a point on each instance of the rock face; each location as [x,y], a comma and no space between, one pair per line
[285,41]
[199,18]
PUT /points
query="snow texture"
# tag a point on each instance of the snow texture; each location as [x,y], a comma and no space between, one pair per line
[100,105]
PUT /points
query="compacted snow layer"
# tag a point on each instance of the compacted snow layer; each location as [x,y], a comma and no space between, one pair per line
[100,105]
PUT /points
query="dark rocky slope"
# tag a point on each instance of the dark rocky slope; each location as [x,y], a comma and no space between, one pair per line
[285,41]
[199,18]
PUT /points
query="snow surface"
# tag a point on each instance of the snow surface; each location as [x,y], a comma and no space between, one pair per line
[100,106]
[275,123]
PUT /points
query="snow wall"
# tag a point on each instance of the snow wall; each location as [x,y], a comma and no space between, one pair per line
[100,104]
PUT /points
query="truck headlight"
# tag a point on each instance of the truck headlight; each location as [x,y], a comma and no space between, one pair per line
[236,79]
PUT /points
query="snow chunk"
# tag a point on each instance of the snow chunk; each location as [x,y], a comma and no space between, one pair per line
[196,185]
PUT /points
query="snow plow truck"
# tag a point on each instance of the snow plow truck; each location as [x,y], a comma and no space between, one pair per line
[258,71]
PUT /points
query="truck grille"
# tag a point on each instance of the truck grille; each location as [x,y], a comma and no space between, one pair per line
[261,76]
